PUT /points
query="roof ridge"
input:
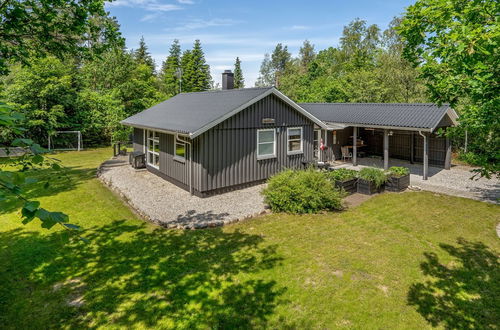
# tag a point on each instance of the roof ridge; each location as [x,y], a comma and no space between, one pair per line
[226,90]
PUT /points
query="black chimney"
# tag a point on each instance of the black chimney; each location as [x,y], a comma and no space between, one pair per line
[227,80]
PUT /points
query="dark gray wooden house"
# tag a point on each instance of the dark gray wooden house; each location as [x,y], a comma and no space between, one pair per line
[210,142]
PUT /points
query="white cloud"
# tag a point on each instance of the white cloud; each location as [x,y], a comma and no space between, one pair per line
[299,27]
[195,24]
[185,2]
[150,5]
[149,17]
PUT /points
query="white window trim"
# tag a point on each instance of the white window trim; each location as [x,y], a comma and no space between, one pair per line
[176,157]
[274,143]
[294,152]
[152,152]
[317,131]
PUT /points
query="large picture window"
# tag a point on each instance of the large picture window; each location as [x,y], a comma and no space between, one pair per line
[294,142]
[266,143]
[153,149]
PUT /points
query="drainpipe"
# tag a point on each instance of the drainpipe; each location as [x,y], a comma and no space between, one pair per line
[190,161]
[426,156]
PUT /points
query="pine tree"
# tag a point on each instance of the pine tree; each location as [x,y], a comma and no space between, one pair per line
[169,71]
[306,54]
[239,81]
[187,72]
[142,55]
[196,72]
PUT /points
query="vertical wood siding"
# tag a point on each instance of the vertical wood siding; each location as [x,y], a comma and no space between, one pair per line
[138,139]
[227,152]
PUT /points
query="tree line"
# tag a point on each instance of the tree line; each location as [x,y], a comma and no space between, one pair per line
[94,89]
[367,66]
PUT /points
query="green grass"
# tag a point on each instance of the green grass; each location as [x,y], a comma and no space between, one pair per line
[412,260]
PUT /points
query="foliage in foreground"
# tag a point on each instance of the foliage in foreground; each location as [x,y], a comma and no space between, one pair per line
[13,183]
[455,46]
[375,175]
[302,191]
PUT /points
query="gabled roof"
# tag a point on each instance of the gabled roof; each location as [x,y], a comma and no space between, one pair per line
[195,113]
[414,116]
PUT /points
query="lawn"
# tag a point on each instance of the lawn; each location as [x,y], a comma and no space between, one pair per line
[411,260]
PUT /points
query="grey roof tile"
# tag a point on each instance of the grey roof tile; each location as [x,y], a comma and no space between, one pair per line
[409,115]
[188,112]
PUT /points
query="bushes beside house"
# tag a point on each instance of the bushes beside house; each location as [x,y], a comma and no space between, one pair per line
[302,191]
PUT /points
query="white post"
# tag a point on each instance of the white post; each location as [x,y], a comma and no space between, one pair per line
[355,146]
[386,149]
[466,141]
[426,155]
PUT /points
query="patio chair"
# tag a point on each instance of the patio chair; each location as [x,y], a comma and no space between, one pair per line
[346,154]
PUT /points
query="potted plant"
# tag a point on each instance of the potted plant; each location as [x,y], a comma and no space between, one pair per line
[345,179]
[371,180]
[398,178]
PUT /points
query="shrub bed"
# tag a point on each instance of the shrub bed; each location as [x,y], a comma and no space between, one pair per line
[302,191]
[371,180]
[345,179]
[399,178]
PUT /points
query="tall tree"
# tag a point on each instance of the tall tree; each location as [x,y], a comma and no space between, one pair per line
[44,92]
[306,54]
[170,70]
[142,55]
[239,81]
[38,27]
[266,73]
[195,71]
[279,60]
[359,42]
[454,44]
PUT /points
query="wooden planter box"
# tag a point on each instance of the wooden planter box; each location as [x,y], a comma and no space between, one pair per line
[367,187]
[397,183]
[350,186]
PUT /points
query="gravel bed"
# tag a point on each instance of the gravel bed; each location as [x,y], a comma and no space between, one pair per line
[170,206]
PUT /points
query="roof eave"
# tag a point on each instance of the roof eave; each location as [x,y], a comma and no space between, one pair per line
[162,130]
[403,128]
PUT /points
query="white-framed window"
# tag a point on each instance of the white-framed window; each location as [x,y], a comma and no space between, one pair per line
[316,142]
[153,149]
[294,140]
[266,143]
[180,151]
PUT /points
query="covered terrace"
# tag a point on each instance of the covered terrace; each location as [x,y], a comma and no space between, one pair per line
[405,131]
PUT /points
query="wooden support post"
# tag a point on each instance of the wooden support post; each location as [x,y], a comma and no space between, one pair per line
[412,148]
[447,160]
[425,155]
[386,149]
[355,146]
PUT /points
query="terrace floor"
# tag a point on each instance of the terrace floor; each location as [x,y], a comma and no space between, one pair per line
[456,181]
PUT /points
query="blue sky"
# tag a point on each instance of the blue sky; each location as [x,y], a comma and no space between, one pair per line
[247,29]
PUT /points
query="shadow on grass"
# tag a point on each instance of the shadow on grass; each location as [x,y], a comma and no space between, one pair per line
[59,181]
[462,294]
[127,276]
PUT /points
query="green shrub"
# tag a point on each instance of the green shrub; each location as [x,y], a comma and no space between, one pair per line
[378,177]
[342,174]
[302,191]
[398,171]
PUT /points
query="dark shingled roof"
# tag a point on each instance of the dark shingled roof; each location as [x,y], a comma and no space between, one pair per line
[407,115]
[188,112]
